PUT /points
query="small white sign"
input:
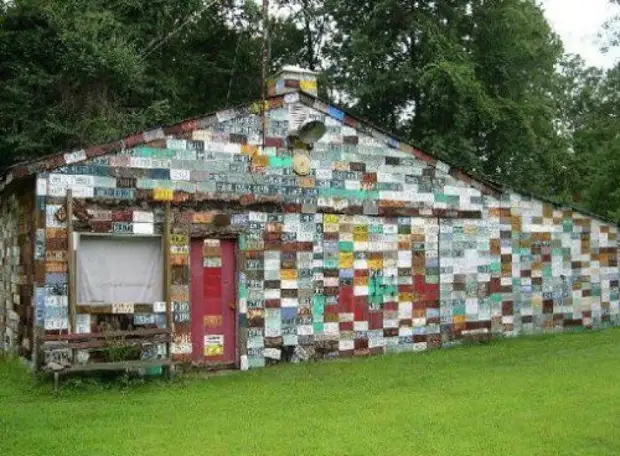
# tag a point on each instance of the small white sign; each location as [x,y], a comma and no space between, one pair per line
[143,228]
[143,217]
[305,330]
[55,324]
[272,353]
[74,157]
[159,307]
[41,187]
[180,174]
[82,323]
[244,362]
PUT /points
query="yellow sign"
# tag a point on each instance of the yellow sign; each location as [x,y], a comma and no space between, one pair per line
[360,237]
[213,345]
[346,260]
[307,85]
[249,150]
[163,194]
[288,274]
[179,239]
[331,218]
[260,161]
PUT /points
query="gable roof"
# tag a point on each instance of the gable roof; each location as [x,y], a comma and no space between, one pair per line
[57,160]
[50,162]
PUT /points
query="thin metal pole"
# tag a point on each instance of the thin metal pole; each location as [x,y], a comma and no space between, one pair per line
[265,65]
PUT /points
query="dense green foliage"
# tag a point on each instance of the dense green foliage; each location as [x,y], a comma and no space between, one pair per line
[78,72]
[555,395]
[478,78]
[484,85]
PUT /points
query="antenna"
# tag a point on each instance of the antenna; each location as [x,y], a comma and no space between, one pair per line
[264,74]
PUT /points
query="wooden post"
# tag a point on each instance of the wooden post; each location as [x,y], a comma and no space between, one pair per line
[71,263]
[167,272]
[72,286]
[37,358]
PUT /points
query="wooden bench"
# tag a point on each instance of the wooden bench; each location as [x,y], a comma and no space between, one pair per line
[102,341]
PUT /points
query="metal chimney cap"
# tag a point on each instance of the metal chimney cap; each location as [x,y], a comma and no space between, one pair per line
[296,69]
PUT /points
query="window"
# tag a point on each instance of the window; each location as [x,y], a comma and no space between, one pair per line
[115,269]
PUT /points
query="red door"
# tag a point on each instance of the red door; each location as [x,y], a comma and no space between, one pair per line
[213,301]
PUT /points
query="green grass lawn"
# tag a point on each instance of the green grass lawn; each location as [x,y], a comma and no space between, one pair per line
[532,396]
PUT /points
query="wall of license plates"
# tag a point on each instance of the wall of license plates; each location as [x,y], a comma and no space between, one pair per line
[379,248]
[16,214]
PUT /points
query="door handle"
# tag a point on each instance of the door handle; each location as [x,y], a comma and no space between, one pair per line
[232,305]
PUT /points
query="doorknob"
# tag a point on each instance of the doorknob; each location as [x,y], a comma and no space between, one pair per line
[232,305]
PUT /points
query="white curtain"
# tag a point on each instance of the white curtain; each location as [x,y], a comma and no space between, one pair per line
[119,269]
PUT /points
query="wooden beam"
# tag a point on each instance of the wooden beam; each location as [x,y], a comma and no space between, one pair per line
[94,344]
[37,332]
[122,365]
[71,264]
[167,270]
[119,366]
[105,335]
[107,308]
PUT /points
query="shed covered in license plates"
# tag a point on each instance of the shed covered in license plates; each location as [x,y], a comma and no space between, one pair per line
[217,242]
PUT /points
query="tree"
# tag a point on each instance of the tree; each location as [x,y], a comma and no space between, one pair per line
[70,75]
[472,81]
[596,140]
[80,72]
[299,32]
[611,28]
